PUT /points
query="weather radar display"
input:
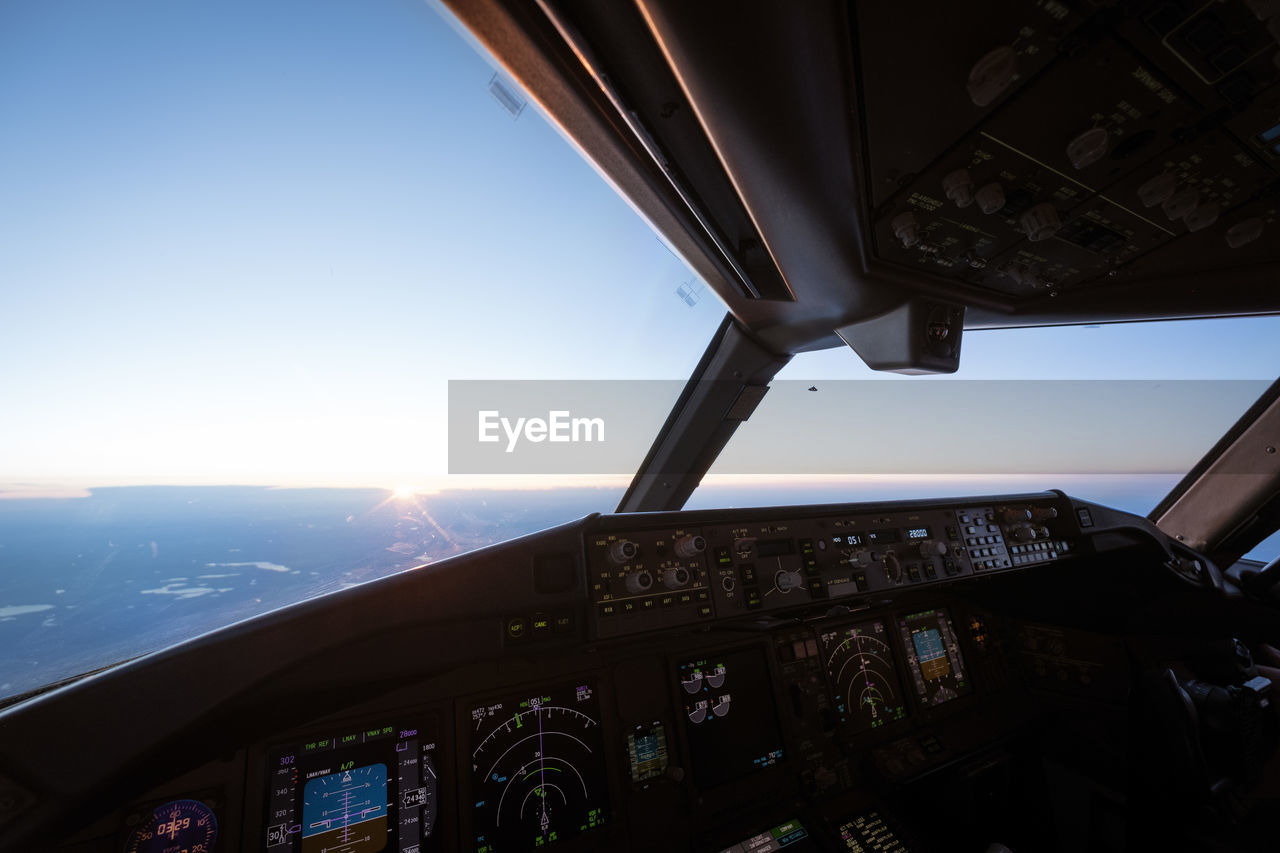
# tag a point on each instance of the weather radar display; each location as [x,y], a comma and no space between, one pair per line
[537,769]
[860,663]
[933,655]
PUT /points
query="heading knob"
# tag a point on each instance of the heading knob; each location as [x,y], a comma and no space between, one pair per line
[690,546]
[622,552]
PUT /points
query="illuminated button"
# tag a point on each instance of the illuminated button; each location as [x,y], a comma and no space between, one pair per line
[806,546]
[648,604]
[628,607]
[704,611]
[724,556]
[702,595]
[816,588]
[860,581]
[517,628]
[929,571]
[685,598]
[540,625]
[913,572]
[950,567]
[667,601]
[608,609]
[562,623]
[753,600]
[748,573]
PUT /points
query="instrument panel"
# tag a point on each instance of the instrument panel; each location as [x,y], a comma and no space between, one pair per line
[647,578]
[793,719]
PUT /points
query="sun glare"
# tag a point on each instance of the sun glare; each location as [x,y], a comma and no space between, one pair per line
[404,492]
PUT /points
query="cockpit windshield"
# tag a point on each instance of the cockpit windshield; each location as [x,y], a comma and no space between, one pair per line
[246,247]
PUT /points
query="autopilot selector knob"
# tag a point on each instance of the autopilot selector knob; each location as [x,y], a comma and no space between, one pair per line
[622,552]
[688,547]
[932,548]
[639,583]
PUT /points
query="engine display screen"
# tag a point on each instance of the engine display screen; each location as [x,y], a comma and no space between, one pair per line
[537,769]
[647,751]
[355,792]
[933,656]
[859,661]
[730,718]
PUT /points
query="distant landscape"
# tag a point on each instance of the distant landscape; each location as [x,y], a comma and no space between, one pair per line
[87,581]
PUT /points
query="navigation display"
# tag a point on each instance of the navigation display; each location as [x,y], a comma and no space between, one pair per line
[933,656]
[730,718]
[355,792]
[537,769]
[868,693]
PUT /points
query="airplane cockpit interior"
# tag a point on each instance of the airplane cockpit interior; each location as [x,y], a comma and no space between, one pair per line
[1033,671]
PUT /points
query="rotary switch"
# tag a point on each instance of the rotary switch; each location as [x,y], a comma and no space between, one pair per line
[622,552]
[688,547]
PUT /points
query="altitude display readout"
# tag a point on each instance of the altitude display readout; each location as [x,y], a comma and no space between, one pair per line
[537,769]
[933,657]
[858,659]
[730,717]
[355,792]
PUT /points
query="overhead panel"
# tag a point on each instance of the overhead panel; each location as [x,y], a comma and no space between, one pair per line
[1069,151]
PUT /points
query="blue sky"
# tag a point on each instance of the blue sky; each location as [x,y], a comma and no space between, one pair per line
[250,242]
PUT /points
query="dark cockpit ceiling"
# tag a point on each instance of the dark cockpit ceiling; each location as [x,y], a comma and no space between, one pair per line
[824,163]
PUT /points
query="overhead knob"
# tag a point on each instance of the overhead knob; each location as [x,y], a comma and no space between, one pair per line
[906,228]
[958,187]
[688,547]
[1181,204]
[1013,514]
[675,578]
[639,583]
[1040,222]
[1088,148]
[1244,233]
[990,198]
[1044,513]
[622,552]
[1157,190]
[991,75]
[932,548]
[1024,534]
[1203,216]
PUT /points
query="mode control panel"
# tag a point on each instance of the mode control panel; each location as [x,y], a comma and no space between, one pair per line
[647,578]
